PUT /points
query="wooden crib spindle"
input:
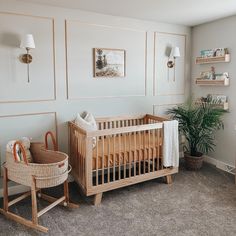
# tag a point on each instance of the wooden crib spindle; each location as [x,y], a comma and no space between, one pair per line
[114,157]
[139,152]
[102,159]
[119,154]
[153,150]
[108,159]
[130,155]
[97,146]
[135,152]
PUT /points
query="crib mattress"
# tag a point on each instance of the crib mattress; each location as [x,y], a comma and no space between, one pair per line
[125,149]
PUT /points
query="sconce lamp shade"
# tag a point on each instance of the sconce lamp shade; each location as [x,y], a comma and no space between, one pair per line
[27,41]
[175,52]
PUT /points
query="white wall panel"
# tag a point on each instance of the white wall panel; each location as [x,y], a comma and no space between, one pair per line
[26,125]
[13,73]
[82,38]
[161,110]
[169,81]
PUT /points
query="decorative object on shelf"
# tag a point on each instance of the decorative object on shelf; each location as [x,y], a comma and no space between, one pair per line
[219,52]
[222,76]
[211,78]
[199,133]
[213,74]
[206,75]
[109,62]
[215,100]
[213,56]
[175,53]
[27,42]
[207,53]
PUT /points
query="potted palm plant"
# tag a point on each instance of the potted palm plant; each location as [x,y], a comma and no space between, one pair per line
[198,123]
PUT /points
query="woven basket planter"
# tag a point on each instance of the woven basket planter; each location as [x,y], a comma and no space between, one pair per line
[193,162]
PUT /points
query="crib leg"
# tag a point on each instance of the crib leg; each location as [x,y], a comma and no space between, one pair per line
[34,202]
[5,190]
[97,199]
[169,179]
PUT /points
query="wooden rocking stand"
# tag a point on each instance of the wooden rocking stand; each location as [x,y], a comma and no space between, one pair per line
[64,200]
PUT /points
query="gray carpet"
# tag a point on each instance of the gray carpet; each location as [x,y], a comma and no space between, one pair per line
[197,203]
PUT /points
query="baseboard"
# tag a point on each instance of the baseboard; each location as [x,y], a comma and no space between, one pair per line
[220,165]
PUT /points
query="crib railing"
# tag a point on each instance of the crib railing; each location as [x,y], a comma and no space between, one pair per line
[119,122]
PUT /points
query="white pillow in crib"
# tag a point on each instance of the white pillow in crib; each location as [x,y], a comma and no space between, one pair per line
[87,123]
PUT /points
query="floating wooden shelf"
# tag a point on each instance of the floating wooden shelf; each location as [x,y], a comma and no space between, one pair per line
[224,105]
[204,82]
[208,60]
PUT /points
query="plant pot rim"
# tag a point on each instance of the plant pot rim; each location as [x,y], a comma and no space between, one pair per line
[187,154]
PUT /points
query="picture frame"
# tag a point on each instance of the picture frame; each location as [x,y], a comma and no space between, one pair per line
[219,52]
[109,63]
[219,98]
[207,53]
[206,75]
[222,76]
[216,52]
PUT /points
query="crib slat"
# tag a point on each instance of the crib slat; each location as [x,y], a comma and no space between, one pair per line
[162,137]
[158,150]
[119,154]
[114,158]
[135,152]
[125,148]
[144,152]
[130,155]
[102,159]
[149,140]
[139,152]
[97,147]
[108,159]
[153,150]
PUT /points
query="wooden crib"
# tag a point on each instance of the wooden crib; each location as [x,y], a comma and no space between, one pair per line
[128,150]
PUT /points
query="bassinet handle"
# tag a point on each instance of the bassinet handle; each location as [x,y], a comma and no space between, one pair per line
[53,140]
[22,149]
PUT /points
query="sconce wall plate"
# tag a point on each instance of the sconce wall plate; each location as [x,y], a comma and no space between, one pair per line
[170,64]
[26,58]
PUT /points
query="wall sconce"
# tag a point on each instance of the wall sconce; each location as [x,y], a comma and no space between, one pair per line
[175,53]
[27,42]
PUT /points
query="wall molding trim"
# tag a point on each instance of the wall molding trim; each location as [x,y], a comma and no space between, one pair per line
[154,63]
[112,27]
[162,105]
[53,59]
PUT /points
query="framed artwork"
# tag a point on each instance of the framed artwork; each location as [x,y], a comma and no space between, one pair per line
[109,63]
[206,75]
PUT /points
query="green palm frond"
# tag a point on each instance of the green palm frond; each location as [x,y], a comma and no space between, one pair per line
[198,123]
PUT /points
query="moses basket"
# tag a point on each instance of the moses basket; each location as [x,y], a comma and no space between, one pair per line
[49,169]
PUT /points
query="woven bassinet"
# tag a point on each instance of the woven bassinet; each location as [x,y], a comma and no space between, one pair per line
[50,168]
